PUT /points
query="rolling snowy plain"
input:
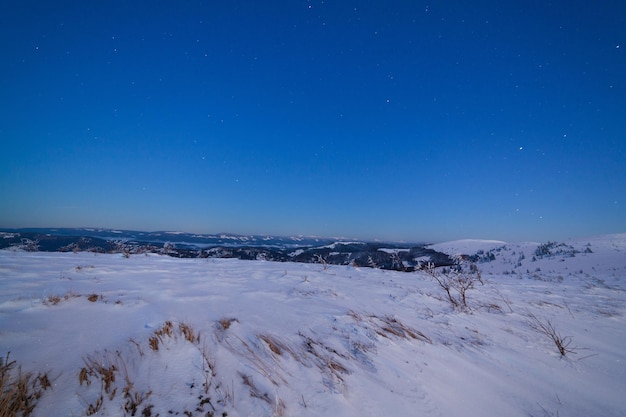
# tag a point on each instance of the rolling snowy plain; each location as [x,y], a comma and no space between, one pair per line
[152,335]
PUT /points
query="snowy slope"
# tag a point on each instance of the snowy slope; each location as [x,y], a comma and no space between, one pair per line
[287,339]
[467,246]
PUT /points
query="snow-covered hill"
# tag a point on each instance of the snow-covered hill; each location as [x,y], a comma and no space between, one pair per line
[154,335]
[586,255]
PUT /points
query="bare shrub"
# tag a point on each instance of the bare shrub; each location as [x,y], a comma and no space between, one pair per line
[546,327]
[506,300]
[319,259]
[456,282]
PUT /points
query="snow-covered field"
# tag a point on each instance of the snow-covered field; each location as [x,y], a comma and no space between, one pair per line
[154,335]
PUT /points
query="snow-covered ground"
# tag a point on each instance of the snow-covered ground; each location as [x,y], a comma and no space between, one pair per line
[287,339]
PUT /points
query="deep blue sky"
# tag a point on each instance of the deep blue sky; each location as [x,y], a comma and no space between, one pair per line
[401,120]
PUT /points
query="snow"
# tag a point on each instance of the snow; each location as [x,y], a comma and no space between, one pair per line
[296,252]
[342,243]
[393,250]
[466,246]
[289,339]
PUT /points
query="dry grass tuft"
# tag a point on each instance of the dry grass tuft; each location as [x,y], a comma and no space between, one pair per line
[19,392]
[53,300]
[281,348]
[388,326]
[166,330]
[95,407]
[273,344]
[103,368]
[138,346]
[399,329]
[83,376]
[208,369]
[188,333]
[254,391]
[108,374]
[153,341]
[225,323]
[493,308]
[327,359]
[355,316]
[337,366]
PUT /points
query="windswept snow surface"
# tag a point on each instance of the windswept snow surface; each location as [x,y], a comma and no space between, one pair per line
[287,339]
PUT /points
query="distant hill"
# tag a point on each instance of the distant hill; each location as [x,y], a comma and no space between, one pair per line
[390,255]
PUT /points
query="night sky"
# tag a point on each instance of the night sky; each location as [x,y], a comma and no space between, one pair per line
[393,120]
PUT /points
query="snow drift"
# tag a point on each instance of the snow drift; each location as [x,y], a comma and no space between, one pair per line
[154,335]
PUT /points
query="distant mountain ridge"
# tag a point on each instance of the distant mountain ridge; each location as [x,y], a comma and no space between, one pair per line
[181,239]
[327,251]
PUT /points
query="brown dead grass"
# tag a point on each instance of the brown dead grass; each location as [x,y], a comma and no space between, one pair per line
[225,322]
[101,367]
[391,325]
[188,333]
[53,300]
[278,406]
[327,359]
[153,341]
[108,371]
[275,345]
[19,392]
[167,330]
